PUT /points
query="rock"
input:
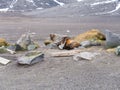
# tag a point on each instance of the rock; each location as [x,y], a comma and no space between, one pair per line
[93,34]
[4,61]
[112,39]
[85,56]
[31,47]
[85,43]
[3,49]
[15,47]
[89,43]
[117,51]
[31,58]
[52,46]
[26,42]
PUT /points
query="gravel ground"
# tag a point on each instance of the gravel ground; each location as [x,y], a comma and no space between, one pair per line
[54,73]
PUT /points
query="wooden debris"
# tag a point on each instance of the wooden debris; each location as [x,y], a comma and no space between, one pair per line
[65,53]
[3,49]
[10,51]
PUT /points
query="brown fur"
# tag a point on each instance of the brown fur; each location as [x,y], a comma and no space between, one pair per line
[69,43]
[92,34]
[3,42]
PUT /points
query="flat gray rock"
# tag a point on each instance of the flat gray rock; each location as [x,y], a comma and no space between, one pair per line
[31,58]
[112,39]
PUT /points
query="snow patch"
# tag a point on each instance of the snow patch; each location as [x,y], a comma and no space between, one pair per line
[47,3]
[13,2]
[104,2]
[60,3]
[39,8]
[117,8]
[79,0]
[31,1]
[4,9]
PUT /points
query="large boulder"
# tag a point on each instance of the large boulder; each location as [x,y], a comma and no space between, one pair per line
[26,43]
[112,39]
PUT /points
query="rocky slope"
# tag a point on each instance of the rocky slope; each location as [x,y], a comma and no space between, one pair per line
[55,8]
[82,8]
[28,5]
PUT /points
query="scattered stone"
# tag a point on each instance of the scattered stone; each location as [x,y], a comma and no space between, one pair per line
[31,47]
[4,61]
[3,49]
[85,43]
[85,56]
[89,43]
[52,46]
[31,58]
[117,50]
[26,42]
[15,47]
[112,39]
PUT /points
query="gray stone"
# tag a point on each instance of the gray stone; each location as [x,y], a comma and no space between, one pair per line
[89,43]
[31,47]
[117,51]
[112,39]
[85,56]
[85,43]
[31,58]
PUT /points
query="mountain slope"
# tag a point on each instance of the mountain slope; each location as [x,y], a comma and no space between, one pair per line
[55,8]
[82,8]
[28,5]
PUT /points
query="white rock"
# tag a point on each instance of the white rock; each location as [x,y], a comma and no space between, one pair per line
[85,56]
[4,61]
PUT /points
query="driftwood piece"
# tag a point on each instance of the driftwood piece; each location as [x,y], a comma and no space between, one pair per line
[65,53]
[10,51]
[3,49]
